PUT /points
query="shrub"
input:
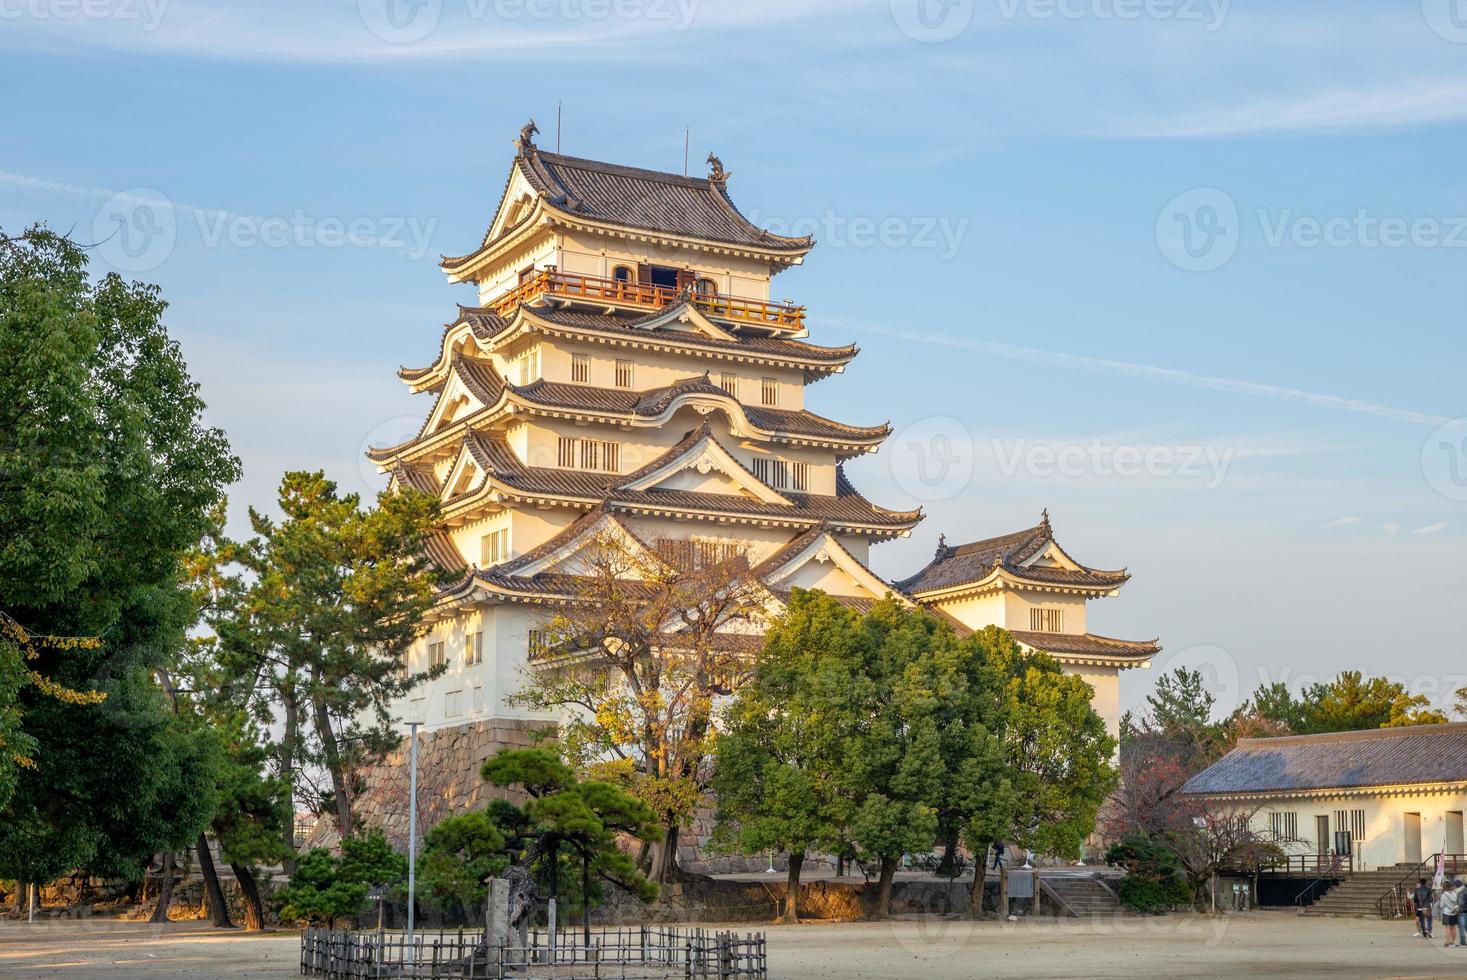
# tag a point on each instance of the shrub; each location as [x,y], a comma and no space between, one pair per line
[1153,882]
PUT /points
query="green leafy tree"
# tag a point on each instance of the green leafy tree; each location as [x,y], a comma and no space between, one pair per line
[460,855]
[572,820]
[781,745]
[314,616]
[325,887]
[1349,702]
[639,663]
[107,477]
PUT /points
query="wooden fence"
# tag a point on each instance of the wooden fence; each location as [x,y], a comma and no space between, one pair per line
[643,953]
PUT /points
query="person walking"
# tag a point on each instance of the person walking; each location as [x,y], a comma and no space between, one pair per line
[1461,912]
[998,849]
[1449,907]
[1421,899]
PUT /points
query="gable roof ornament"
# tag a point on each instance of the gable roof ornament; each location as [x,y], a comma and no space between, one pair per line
[525,144]
[716,173]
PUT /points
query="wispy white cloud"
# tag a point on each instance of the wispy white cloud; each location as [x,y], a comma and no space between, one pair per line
[1343,522]
[1390,528]
[1436,528]
[1150,372]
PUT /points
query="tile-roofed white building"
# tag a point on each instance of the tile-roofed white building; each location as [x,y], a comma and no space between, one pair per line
[1385,795]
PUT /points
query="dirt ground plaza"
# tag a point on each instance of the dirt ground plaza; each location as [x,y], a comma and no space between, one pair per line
[1276,944]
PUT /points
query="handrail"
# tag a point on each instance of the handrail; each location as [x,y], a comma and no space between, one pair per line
[1331,872]
[601,289]
[1415,874]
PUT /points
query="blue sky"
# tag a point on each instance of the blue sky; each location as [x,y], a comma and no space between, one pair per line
[1189,273]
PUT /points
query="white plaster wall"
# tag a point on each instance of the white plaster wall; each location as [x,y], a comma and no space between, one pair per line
[1384,842]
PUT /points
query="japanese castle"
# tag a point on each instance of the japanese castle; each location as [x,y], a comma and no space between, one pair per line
[626,370]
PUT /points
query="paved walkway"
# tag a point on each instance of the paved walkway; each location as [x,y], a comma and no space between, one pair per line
[1271,944]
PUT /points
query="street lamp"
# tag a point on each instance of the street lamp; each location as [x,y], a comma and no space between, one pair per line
[412,831]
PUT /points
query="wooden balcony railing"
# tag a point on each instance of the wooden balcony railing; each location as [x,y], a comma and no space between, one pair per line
[645,295]
[1295,865]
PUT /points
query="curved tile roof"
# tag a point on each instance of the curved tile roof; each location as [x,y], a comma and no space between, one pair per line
[955,566]
[1338,760]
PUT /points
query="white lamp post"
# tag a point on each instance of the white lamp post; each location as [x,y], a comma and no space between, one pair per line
[412,832]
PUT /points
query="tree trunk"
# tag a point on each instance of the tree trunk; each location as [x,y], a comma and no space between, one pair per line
[586,898]
[22,890]
[1003,894]
[249,890]
[947,868]
[664,856]
[287,774]
[792,888]
[218,908]
[335,766]
[883,888]
[980,879]
[165,891]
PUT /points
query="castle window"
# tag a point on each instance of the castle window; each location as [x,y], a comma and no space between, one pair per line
[435,655]
[622,273]
[730,383]
[453,704]
[771,391]
[494,548]
[664,277]
[474,649]
[540,643]
[623,373]
[707,288]
[801,476]
[526,366]
[581,368]
[1284,825]
[772,472]
[1047,620]
[589,454]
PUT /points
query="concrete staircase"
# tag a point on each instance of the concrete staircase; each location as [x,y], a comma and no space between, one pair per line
[1085,895]
[1357,892]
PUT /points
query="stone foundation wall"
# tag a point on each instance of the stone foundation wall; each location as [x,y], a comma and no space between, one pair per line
[448,780]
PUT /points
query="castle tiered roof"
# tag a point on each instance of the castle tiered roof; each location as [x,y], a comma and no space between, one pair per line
[1030,557]
[506,479]
[628,329]
[591,194]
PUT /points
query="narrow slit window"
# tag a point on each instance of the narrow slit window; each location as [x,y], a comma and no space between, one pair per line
[771,391]
[623,373]
[581,368]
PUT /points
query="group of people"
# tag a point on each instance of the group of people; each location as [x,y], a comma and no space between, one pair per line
[1448,907]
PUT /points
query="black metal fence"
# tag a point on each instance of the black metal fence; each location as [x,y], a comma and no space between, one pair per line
[643,953]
